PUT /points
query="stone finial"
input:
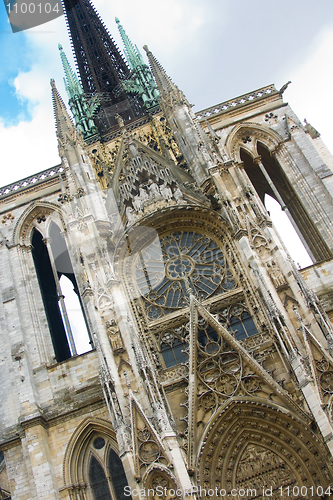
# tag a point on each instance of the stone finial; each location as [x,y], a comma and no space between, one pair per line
[313,133]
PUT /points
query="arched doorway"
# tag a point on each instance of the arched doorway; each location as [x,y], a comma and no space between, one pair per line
[253,446]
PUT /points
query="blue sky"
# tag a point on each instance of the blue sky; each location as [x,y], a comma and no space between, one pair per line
[15,57]
[214,50]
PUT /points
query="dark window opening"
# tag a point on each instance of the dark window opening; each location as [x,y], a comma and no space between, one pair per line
[243,326]
[110,486]
[49,293]
[118,477]
[301,221]
[60,294]
[98,482]
[207,336]
[173,353]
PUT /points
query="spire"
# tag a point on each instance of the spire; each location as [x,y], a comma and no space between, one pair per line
[165,85]
[141,81]
[83,108]
[64,125]
[132,53]
[100,64]
[72,84]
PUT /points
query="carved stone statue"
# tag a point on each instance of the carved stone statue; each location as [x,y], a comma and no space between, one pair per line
[275,274]
[139,200]
[166,192]
[131,215]
[154,190]
[178,196]
[114,336]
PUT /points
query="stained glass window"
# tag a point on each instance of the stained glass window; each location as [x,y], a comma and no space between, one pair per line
[98,481]
[173,354]
[237,319]
[176,263]
[243,326]
[104,489]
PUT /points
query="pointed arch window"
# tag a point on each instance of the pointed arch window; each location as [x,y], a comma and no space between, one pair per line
[268,178]
[107,478]
[173,351]
[69,332]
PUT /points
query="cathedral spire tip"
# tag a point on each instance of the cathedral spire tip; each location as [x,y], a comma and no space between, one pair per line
[141,80]
[64,124]
[165,85]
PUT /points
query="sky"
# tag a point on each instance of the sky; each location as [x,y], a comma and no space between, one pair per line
[214,50]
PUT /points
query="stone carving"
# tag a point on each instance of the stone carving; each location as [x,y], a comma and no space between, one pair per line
[114,336]
[139,199]
[166,192]
[275,273]
[178,195]
[161,484]
[271,118]
[261,468]
[131,215]
[174,373]
[154,190]
[64,198]
[40,219]
[7,219]
[255,448]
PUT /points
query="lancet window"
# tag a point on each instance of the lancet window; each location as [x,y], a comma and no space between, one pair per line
[107,479]
[64,310]
[268,177]
[173,345]
[93,469]
[237,319]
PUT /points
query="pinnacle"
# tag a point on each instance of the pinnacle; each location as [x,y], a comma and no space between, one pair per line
[64,124]
[163,81]
[72,84]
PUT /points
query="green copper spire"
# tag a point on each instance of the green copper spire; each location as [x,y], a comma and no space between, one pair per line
[141,81]
[132,53]
[82,108]
[72,84]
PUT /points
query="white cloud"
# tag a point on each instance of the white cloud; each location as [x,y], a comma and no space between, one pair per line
[163,25]
[310,94]
[31,146]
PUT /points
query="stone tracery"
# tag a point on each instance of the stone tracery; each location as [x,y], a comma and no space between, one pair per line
[190,259]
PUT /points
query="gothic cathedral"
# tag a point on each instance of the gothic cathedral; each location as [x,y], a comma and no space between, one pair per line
[157,340]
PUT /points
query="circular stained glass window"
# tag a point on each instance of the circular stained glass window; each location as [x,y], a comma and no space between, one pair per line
[176,263]
[99,443]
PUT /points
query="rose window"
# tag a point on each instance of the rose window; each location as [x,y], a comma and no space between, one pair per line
[176,263]
[179,267]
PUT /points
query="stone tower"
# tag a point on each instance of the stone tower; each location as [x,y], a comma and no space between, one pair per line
[193,358]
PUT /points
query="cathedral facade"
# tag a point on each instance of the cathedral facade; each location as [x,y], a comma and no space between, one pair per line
[194,358]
